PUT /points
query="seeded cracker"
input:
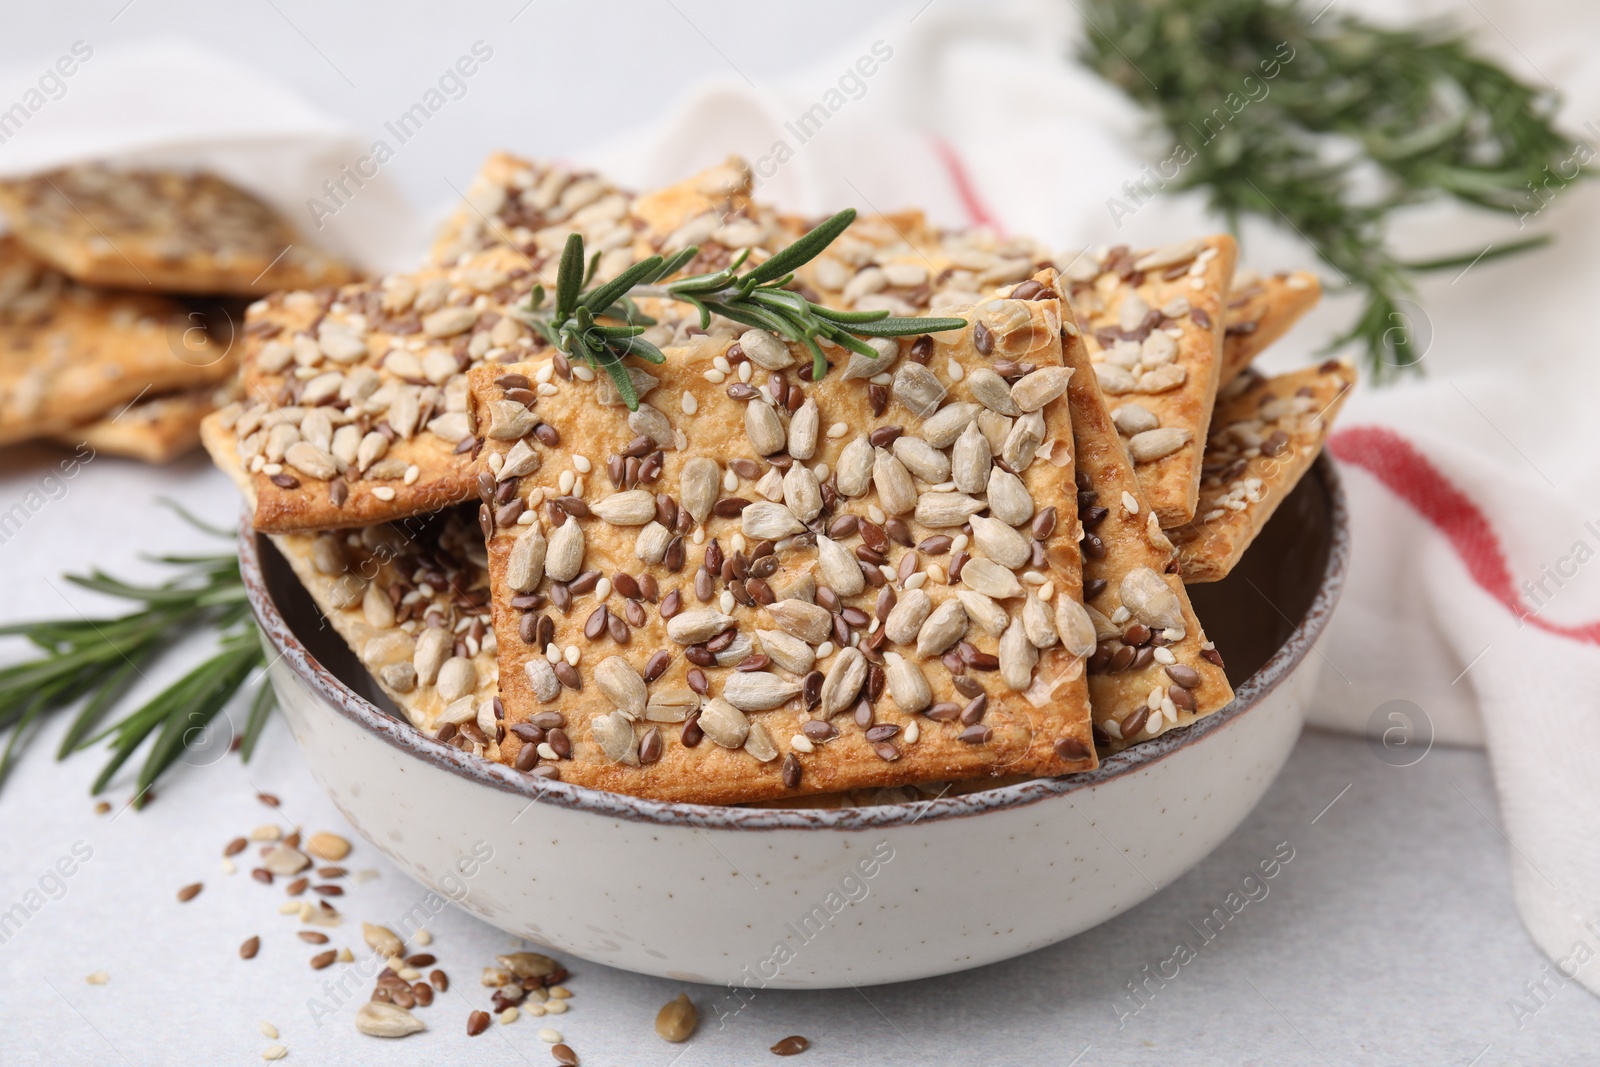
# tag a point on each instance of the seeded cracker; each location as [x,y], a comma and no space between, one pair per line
[410,598]
[1154,323]
[1137,603]
[70,354]
[163,230]
[531,207]
[799,718]
[156,429]
[1261,310]
[1264,437]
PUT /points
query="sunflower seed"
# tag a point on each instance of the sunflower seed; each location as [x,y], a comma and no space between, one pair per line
[433,648]
[699,484]
[1000,542]
[991,618]
[1162,378]
[804,425]
[457,678]
[725,724]
[761,425]
[1114,380]
[564,556]
[922,459]
[907,685]
[310,460]
[759,744]
[766,350]
[376,1018]
[1149,599]
[651,547]
[622,685]
[942,629]
[896,493]
[854,473]
[940,511]
[375,444]
[509,420]
[907,617]
[838,567]
[1036,389]
[808,622]
[1170,255]
[542,679]
[942,429]
[697,625]
[635,507]
[613,732]
[520,460]
[525,564]
[1017,656]
[1075,627]
[758,690]
[888,349]
[606,390]
[916,387]
[991,390]
[989,578]
[970,460]
[787,651]
[763,521]
[802,493]
[843,681]
[1027,434]
[1151,445]
[1038,622]
[1009,500]
[671,705]
[1134,418]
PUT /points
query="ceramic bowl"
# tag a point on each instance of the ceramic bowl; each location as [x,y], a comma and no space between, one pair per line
[815,898]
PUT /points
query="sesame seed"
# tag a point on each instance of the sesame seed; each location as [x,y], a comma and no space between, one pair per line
[383,493]
[547,1035]
[602,589]
[825,650]
[912,733]
[566,482]
[583,373]
[955,370]
[699,535]
[544,373]
[838,430]
[508,1016]
[413,472]
[1129,503]
[959,543]
[738,542]
[275,1052]
[726,602]
[715,377]
[546,389]
[527,518]
[875,513]
[496,461]
[881,379]
[744,372]
[821,470]
[689,404]
[269,1031]
[916,581]
[98,978]
[730,480]
[546,752]
[552,652]
[1164,656]
[228,867]
[722,364]
[574,654]
[1197,283]
[581,464]
[800,743]
[555,1007]
[1047,591]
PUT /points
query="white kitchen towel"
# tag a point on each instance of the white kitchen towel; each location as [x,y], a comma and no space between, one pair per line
[172,103]
[1473,488]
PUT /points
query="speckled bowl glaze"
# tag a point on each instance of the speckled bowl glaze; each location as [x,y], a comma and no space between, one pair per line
[815,898]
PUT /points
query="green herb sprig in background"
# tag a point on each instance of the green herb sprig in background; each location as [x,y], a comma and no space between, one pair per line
[1414,113]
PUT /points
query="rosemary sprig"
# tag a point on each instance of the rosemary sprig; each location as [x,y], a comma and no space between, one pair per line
[91,663]
[1283,112]
[602,325]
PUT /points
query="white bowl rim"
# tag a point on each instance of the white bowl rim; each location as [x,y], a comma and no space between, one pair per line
[414,742]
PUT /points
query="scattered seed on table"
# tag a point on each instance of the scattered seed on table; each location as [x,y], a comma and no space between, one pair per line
[323,959]
[313,937]
[189,892]
[248,950]
[564,1055]
[677,1019]
[477,1023]
[791,1046]
[268,799]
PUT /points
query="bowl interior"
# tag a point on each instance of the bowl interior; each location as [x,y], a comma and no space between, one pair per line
[1249,615]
